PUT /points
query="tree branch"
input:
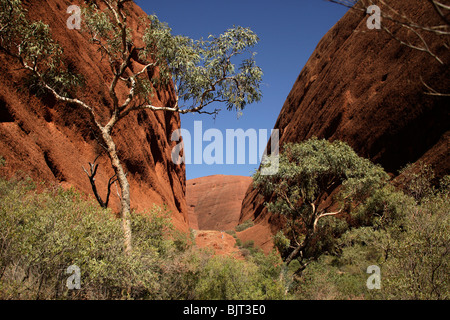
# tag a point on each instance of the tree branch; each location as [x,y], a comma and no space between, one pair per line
[132,79]
[93,171]
[433,92]
[62,98]
[316,220]
[437,7]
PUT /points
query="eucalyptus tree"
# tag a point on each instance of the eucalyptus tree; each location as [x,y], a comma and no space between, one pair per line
[202,72]
[309,172]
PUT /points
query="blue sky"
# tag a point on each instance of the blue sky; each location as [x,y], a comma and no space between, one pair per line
[289,31]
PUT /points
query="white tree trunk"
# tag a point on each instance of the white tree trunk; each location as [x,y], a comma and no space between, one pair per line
[124,187]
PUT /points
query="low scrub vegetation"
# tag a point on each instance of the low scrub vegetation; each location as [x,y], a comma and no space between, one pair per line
[328,253]
[244,226]
[44,233]
[404,233]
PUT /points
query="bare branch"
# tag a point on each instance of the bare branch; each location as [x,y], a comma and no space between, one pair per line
[93,171]
[433,92]
[60,97]
[324,215]
[132,79]
[404,21]
[437,7]
[425,47]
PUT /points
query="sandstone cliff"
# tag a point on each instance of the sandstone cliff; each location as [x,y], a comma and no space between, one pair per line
[51,141]
[214,202]
[363,87]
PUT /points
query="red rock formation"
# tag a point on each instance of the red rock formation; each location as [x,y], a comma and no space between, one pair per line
[214,202]
[51,141]
[363,87]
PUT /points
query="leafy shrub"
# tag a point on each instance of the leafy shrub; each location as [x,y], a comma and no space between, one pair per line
[418,180]
[248,244]
[231,233]
[281,242]
[228,278]
[43,233]
[386,207]
[407,237]
[310,172]
[420,256]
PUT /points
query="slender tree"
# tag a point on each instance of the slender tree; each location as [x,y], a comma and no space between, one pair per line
[202,72]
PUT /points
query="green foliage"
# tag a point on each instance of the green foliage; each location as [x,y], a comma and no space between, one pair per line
[245,225]
[308,172]
[43,233]
[231,233]
[32,44]
[386,207]
[202,70]
[309,169]
[324,281]
[2,161]
[419,257]
[248,244]
[227,278]
[281,242]
[418,180]
[104,30]
[407,237]
[12,18]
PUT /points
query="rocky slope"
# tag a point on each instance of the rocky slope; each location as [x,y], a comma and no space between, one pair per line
[219,242]
[363,87]
[214,202]
[51,141]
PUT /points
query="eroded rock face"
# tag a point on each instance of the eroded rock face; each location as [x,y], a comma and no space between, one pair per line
[214,202]
[51,141]
[363,87]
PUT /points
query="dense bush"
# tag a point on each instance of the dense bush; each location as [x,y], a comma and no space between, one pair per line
[43,233]
[227,278]
[406,234]
[310,172]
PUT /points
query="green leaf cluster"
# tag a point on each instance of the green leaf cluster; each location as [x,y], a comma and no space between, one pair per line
[203,70]
[32,44]
[308,173]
